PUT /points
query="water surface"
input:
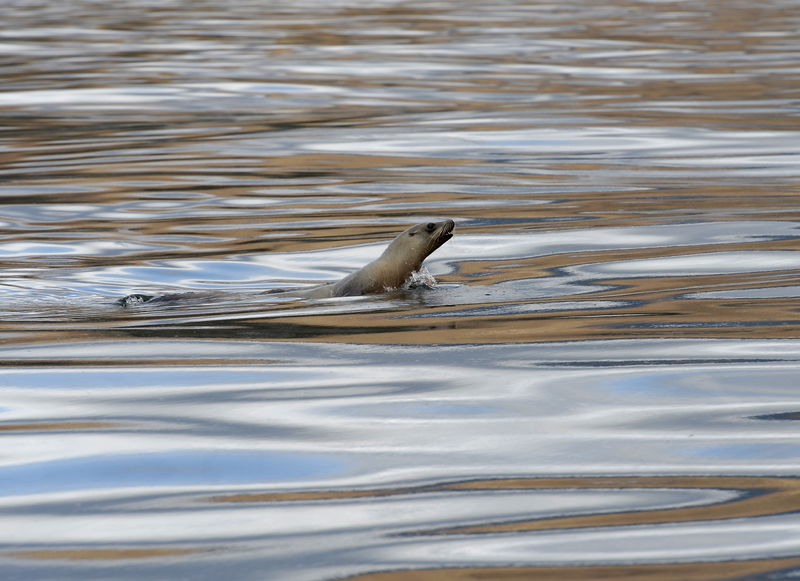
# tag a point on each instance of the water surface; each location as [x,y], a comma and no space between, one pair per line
[601,383]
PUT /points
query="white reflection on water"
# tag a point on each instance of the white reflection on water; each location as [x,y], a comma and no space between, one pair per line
[106,97]
[781,292]
[685,148]
[707,263]
[394,414]
[356,521]
[306,416]
[735,539]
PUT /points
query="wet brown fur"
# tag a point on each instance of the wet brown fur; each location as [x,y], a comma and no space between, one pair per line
[403,256]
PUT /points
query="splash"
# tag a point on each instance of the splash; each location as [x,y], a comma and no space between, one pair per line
[421,278]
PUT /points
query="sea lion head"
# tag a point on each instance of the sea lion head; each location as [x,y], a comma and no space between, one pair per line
[415,244]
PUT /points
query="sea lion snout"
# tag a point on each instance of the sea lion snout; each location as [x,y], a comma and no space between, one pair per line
[447,230]
[440,233]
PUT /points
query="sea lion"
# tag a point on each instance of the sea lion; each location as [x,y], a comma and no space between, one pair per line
[391,269]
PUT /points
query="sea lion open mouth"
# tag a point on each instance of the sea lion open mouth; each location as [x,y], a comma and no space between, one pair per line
[445,233]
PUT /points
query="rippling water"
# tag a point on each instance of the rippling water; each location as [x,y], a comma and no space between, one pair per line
[603,383]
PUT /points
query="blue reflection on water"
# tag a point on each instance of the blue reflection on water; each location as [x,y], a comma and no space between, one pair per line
[654,382]
[150,378]
[163,469]
[757,451]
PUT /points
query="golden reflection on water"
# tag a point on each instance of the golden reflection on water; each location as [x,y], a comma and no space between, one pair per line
[758,497]
[668,572]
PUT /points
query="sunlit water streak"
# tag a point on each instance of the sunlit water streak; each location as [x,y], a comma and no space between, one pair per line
[602,383]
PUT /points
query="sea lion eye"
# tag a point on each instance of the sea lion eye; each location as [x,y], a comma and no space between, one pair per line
[431,226]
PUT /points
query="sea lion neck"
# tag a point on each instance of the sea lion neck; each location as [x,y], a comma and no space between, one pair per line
[406,253]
